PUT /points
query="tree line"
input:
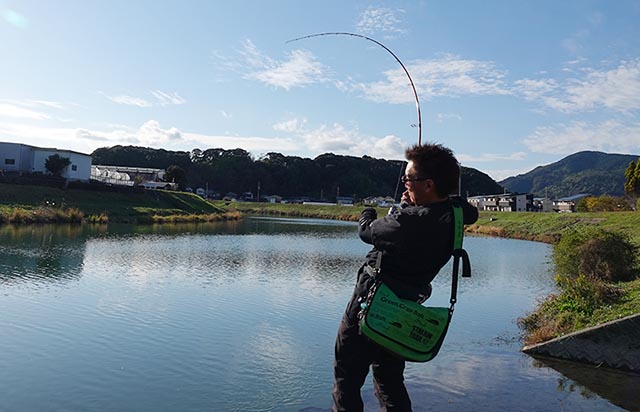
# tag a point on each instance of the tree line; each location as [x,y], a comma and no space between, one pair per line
[235,170]
[632,181]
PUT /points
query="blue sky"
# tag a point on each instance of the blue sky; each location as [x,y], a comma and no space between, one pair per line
[508,85]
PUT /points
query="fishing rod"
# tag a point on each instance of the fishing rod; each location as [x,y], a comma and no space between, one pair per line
[413,87]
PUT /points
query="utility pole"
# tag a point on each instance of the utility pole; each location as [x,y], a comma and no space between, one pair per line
[258,197]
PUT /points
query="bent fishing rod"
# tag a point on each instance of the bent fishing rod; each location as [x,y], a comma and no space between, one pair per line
[413,87]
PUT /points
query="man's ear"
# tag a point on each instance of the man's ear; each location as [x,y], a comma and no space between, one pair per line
[430,185]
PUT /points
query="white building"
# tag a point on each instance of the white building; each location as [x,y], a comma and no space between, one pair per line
[506,202]
[22,158]
[568,204]
[126,175]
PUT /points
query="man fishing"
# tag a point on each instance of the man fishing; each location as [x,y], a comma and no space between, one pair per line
[415,242]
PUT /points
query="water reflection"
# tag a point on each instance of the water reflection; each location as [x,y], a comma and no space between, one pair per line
[619,387]
[41,253]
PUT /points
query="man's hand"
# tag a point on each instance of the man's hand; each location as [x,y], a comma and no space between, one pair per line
[406,198]
[367,216]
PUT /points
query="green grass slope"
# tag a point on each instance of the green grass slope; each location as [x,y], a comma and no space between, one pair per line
[118,206]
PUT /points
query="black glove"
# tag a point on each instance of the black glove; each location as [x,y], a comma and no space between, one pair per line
[367,216]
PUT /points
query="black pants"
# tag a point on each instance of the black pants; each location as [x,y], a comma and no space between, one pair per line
[354,354]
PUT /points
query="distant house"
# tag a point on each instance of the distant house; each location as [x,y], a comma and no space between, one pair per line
[159,185]
[230,196]
[344,200]
[506,202]
[568,204]
[542,204]
[273,199]
[246,197]
[22,158]
[379,201]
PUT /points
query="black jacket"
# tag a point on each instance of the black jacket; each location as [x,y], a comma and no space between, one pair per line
[416,242]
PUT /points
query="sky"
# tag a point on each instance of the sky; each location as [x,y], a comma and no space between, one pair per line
[507,85]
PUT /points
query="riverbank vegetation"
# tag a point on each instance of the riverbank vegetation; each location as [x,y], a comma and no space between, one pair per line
[596,273]
[25,204]
[335,212]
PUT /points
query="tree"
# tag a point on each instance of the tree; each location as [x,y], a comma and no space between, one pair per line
[595,253]
[632,179]
[56,164]
[603,203]
[176,174]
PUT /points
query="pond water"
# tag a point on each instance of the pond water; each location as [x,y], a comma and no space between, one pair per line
[242,316]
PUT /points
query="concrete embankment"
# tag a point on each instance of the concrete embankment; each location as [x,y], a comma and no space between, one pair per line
[615,344]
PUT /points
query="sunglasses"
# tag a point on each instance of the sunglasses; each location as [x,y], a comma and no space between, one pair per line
[407,178]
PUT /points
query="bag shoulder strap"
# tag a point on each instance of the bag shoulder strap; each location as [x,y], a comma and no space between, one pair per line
[458,254]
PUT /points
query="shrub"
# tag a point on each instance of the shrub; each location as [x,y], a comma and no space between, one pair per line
[19,215]
[584,294]
[569,310]
[595,253]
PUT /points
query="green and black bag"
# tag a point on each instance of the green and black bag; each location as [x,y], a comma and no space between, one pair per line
[406,328]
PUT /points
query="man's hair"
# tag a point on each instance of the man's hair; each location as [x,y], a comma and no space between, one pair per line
[438,164]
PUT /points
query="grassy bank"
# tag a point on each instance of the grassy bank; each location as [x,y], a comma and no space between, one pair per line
[349,213]
[541,227]
[37,204]
[548,227]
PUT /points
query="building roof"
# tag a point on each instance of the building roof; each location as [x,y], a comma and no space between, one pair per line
[573,198]
[51,149]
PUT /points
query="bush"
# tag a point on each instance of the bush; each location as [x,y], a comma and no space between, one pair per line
[569,310]
[596,254]
[584,294]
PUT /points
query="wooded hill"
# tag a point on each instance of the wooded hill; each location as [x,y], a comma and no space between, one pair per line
[595,173]
[324,177]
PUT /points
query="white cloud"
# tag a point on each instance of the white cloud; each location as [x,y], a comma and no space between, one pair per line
[379,19]
[128,100]
[16,111]
[168,98]
[616,89]
[289,126]
[15,19]
[27,133]
[610,136]
[226,115]
[300,68]
[36,103]
[447,76]
[338,139]
[152,132]
[532,89]
[149,134]
[163,98]
[441,117]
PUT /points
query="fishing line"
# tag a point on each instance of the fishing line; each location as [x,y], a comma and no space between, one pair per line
[413,87]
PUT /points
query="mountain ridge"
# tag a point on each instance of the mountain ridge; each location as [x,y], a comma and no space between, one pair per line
[586,172]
